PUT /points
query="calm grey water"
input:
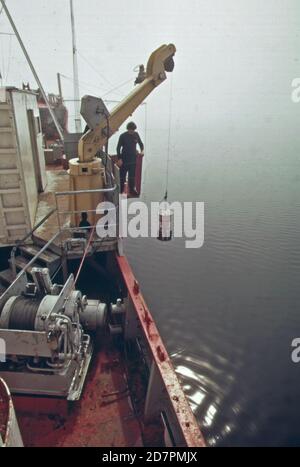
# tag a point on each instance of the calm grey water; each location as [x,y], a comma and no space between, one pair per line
[229,310]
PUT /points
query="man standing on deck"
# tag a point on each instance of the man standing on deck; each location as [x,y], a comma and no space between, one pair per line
[84,223]
[126,151]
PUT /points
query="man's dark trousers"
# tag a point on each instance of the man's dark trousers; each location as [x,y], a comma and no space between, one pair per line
[128,166]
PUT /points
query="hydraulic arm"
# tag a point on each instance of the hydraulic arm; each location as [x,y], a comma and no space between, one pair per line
[160,61]
[87,171]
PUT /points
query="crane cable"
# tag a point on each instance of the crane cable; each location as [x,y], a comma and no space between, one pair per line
[169,137]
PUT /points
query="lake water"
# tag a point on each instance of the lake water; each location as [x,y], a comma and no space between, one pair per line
[229,311]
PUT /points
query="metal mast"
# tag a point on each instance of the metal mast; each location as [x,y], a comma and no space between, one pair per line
[58,127]
[75,74]
[59,86]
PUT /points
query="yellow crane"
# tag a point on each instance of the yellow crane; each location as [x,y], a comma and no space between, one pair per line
[87,172]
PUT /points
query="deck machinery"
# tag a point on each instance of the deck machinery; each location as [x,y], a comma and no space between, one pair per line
[44,328]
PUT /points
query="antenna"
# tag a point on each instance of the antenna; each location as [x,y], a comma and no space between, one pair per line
[75,74]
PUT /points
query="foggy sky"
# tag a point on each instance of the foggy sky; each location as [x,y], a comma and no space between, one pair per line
[234,64]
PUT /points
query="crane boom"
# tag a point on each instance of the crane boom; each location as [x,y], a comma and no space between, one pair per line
[160,62]
[87,173]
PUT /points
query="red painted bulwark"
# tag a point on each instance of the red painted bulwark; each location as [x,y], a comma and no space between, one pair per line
[182,409]
[138,173]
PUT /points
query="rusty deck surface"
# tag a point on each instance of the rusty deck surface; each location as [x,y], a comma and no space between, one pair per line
[4,411]
[103,417]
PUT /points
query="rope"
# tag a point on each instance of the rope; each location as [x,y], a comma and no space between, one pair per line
[146,169]
[94,68]
[9,60]
[117,87]
[84,255]
[89,85]
[3,72]
[145,139]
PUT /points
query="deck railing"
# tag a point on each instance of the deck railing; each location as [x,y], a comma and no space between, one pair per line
[61,229]
[24,239]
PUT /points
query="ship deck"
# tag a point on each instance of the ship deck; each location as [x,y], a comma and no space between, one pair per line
[103,417]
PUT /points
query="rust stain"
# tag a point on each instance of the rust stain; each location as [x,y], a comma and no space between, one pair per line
[136,287]
[160,353]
